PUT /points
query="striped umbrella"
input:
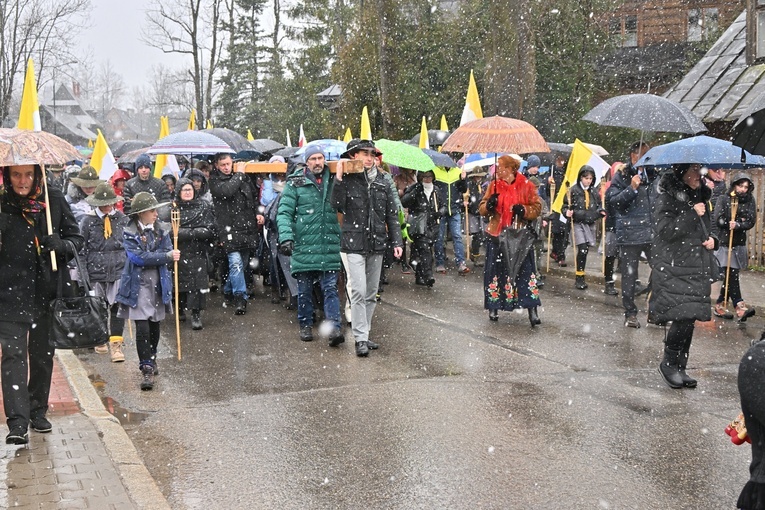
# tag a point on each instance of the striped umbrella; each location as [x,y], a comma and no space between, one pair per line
[190,142]
[496,134]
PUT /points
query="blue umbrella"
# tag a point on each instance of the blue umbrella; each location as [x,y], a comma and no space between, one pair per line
[481,159]
[331,148]
[703,150]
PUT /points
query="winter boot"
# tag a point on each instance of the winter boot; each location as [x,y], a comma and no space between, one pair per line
[534,317]
[682,362]
[669,369]
[610,289]
[115,346]
[241,305]
[580,283]
[147,383]
[196,320]
[720,311]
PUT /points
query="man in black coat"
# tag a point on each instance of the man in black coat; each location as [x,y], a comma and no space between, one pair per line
[234,201]
[630,197]
[29,284]
[145,181]
[370,217]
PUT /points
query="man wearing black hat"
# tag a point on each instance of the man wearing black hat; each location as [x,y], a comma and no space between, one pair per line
[369,218]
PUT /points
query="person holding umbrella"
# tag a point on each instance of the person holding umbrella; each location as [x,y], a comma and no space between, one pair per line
[509,198]
[734,258]
[146,286]
[29,283]
[681,266]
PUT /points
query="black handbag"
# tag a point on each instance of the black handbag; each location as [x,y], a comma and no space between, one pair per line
[515,244]
[78,322]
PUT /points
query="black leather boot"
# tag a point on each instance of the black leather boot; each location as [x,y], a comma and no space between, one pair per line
[534,317]
[196,320]
[669,369]
[580,283]
[494,315]
[610,289]
[682,362]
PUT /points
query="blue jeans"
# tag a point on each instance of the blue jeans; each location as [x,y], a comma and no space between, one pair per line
[235,283]
[455,227]
[328,283]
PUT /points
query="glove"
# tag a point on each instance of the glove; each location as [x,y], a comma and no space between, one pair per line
[519,211]
[492,202]
[286,248]
[5,221]
[54,242]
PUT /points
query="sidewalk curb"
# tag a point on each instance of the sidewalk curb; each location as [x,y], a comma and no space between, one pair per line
[138,482]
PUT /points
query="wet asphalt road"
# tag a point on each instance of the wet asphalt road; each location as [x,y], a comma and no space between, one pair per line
[453,411]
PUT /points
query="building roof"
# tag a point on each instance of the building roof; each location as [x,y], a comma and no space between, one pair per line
[77,125]
[721,85]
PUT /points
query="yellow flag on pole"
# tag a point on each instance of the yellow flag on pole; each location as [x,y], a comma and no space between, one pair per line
[102,158]
[29,114]
[164,130]
[472,110]
[424,143]
[249,136]
[366,128]
[90,143]
[209,124]
[581,155]
[192,120]
[444,125]
[348,136]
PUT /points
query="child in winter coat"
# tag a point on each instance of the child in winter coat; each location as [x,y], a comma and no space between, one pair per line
[104,258]
[146,286]
[584,211]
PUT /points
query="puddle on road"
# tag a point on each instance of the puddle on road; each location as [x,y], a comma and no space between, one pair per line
[125,416]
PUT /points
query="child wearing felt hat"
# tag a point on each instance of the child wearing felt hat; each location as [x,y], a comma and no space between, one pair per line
[104,258]
[146,287]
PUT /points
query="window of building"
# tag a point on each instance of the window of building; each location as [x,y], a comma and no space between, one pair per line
[703,23]
[623,30]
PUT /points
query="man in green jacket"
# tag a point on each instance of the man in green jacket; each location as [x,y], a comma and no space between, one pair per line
[310,233]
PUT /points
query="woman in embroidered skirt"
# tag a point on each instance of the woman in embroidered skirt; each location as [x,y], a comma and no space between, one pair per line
[510,196]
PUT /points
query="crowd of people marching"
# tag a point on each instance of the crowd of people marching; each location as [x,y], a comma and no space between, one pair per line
[309,230]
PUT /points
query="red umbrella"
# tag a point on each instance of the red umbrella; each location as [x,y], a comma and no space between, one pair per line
[496,134]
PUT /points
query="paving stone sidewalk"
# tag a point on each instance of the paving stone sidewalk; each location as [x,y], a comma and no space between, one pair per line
[87,461]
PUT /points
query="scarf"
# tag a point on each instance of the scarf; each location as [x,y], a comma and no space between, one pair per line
[427,187]
[509,195]
[278,186]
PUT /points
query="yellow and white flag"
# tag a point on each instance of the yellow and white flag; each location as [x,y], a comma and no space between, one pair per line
[249,136]
[424,142]
[209,124]
[580,156]
[366,127]
[444,125]
[29,114]
[192,120]
[472,110]
[348,136]
[103,159]
[161,161]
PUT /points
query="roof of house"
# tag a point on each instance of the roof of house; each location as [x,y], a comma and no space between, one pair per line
[721,85]
[77,125]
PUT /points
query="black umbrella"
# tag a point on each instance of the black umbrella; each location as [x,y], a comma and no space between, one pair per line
[436,137]
[248,155]
[286,152]
[124,146]
[234,140]
[646,112]
[266,145]
[440,159]
[749,130]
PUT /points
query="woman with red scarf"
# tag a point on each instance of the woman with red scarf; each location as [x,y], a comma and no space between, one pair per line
[509,197]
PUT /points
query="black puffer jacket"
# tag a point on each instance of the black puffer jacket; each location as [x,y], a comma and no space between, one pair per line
[103,258]
[234,202]
[681,268]
[584,203]
[195,237]
[369,213]
[632,208]
[156,187]
[425,213]
[746,213]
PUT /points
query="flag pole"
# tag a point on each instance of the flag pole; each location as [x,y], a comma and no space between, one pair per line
[733,211]
[549,224]
[603,232]
[573,234]
[53,263]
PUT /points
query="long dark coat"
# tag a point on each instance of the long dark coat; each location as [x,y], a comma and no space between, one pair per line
[195,237]
[234,200]
[746,214]
[26,277]
[681,268]
[422,211]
